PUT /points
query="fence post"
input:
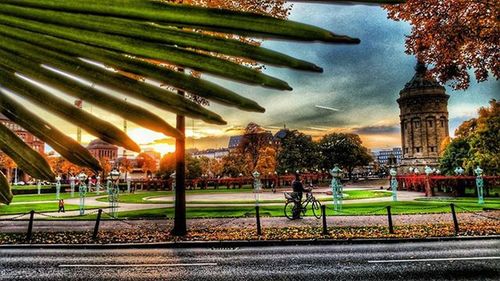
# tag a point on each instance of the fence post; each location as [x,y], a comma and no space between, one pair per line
[454,215]
[29,235]
[97,222]
[257,216]
[389,218]
[323,212]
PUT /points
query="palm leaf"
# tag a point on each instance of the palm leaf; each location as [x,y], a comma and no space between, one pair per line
[50,42]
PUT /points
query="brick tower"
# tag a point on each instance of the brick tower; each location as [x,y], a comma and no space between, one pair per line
[423,105]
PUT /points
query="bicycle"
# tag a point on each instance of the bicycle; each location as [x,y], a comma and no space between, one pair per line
[290,205]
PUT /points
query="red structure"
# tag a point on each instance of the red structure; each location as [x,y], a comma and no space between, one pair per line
[454,185]
[26,136]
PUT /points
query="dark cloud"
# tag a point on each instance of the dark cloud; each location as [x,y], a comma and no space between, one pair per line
[377,130]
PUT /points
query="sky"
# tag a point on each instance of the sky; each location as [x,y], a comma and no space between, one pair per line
[361,82]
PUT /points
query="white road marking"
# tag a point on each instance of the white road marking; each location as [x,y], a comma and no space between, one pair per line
[139,265]
[437,259]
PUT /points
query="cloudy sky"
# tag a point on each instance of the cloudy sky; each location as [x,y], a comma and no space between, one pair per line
[360,82]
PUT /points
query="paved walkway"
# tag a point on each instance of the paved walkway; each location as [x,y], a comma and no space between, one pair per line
[275,222]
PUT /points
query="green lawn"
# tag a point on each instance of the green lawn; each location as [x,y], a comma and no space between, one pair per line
[379,208]
[30,187]
[38,207]
[48,197]
[138,197]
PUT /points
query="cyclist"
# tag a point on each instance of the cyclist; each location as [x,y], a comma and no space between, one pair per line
[298,189]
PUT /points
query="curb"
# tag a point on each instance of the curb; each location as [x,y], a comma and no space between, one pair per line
[245,243]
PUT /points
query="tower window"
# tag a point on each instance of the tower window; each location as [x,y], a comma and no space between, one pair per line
[417,124]
[442,123]
[417,149]
[430,123]
[432,149]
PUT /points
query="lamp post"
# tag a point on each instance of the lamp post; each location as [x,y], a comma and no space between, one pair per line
[129,181]
[39,186]
[58,187]
[336,186]
[72,185]
[410,169]
[82,190]
[394,184]
[108,183]
[173,177]
[113,190]
[459,171]
[256,186]
[98,185]
[479,184]
[428,189]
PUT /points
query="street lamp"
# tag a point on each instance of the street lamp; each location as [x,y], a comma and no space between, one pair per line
[39,186]
[256,186]
[173,176]
[337,188]
[82,190]
[428,170]
[72,185]
[58,187]
[113,190]
[459,171]
[394,184]
[479,184]
[98,185]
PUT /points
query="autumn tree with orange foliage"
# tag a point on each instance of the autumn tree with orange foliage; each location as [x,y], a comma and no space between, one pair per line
[454,36]
[147,163]
[266,163]
[7,164]
[62,166]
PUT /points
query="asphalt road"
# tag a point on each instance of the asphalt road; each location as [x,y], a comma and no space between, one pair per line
[452,260]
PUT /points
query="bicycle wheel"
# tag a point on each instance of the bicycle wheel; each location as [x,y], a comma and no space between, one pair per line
[316,207]
[289,209]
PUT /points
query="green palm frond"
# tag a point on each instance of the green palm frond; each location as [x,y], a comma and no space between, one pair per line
[50,42]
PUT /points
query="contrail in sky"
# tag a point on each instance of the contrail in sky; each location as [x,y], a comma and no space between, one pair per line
[327,108]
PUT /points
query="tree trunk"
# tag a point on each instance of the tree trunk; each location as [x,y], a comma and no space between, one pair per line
[180,226]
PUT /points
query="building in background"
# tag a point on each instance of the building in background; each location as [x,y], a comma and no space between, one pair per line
[100,149]
[213,153]
[423,107]
[26,136]
[389,156]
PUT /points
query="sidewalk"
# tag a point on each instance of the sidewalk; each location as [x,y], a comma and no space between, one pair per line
[245,223]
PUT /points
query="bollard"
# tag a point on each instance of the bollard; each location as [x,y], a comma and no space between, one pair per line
[29,235]
[389,218]
[97,222]
[323,212]
[257,216]
[454,215]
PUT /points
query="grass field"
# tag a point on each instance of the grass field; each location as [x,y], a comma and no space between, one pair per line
[37,207]
[47,197]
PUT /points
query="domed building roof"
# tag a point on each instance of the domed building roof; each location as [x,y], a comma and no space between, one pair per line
[100,144]
[422,81]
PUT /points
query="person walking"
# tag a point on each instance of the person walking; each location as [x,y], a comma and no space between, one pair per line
[61,206]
